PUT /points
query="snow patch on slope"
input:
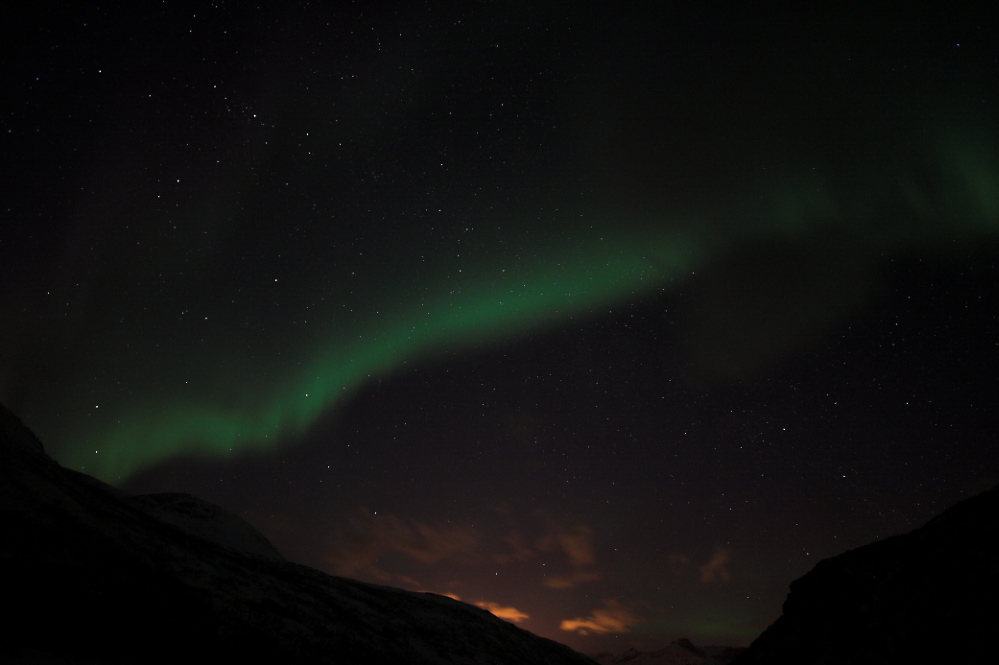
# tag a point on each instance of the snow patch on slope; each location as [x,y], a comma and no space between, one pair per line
[206,521]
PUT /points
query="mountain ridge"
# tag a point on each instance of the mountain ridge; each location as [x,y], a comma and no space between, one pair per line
[914,597]
[97,576]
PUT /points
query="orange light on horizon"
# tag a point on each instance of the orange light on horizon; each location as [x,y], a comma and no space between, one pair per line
[508,613]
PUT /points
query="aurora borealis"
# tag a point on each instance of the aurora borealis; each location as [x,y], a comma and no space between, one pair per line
[507,305]
[613,322]
[602,268]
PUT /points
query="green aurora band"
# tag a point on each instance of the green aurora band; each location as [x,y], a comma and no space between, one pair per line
[893,212]
[604,274]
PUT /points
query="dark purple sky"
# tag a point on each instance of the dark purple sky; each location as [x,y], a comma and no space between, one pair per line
[613,321]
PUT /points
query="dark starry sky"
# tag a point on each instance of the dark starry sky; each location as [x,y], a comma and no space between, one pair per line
[612,320]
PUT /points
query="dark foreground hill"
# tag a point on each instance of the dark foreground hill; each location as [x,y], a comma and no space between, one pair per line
[929,596]
[88,574]
[678,652]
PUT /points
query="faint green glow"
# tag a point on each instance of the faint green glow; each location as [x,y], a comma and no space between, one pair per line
[953,192]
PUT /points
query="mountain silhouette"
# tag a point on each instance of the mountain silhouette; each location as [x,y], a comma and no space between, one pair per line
[921,597]
[93,575]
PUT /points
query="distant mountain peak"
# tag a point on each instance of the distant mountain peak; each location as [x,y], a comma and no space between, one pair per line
[684,643]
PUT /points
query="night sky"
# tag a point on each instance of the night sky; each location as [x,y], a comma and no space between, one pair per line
[612,321]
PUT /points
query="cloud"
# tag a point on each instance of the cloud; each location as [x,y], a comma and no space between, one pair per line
[508,613]
[716,568]
[677,562]
[611,618]
[577,544]
[571,579]
[370,535]
[519,550]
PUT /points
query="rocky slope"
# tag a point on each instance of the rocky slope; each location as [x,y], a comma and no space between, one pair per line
[922,597]
[95,576]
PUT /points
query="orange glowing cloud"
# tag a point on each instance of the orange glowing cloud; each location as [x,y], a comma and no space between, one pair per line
[508,613]
[716,568]
[611,618]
